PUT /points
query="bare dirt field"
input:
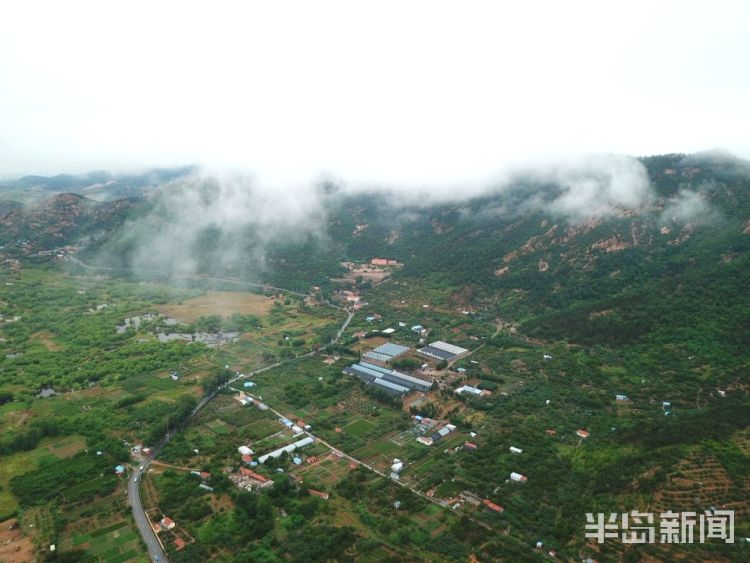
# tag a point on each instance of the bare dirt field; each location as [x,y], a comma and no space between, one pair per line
[366,344]
[14,546]
[223,303]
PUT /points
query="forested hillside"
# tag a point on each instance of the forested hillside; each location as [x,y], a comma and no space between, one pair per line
[606,338]
[613,276]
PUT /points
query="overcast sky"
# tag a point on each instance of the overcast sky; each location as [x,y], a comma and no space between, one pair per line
[400,92]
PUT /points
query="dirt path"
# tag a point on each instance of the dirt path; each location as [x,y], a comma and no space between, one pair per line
[170,466]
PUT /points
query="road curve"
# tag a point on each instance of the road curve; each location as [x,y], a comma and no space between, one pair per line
[154,546]
[155,550]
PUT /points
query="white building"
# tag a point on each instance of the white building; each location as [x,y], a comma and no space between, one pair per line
[468,389]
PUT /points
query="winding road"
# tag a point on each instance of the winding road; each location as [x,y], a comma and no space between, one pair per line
[153,544]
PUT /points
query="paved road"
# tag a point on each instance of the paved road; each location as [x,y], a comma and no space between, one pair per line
[155,549]
[359,462]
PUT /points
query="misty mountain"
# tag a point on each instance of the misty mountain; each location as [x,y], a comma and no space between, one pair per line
[547,250]
[100,185]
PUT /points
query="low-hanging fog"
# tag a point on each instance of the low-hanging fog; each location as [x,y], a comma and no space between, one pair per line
[426,102]
[227,221]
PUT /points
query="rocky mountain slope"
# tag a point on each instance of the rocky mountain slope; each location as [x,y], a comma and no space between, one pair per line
[60,220]
[548,251]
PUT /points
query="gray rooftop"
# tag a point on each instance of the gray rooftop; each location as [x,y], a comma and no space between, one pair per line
[437,353]
[391,386]
[391,349]
[377,356]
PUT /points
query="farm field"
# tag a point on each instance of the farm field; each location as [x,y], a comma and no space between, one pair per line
[222,303]
[110,391]
[118,542]
[22,462]
[571,397]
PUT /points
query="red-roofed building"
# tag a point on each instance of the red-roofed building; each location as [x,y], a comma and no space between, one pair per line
[179,542]
[247,458]
[492,506]
[551,432]
[318,494]
[205,475]
[167,523]
[253,475]
[582,433]
[301,423]
[470,446]
[383,262]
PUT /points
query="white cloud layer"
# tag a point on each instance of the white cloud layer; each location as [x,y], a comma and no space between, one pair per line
[411,94]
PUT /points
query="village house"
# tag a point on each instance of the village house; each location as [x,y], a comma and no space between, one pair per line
[383,262]
[492,506]
[351,296]
[167,523]
[251,479]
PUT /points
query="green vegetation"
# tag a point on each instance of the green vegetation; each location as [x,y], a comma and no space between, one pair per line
[612,351]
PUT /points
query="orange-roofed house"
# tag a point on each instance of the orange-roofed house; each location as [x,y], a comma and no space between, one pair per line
[319,494]
[247,458]
[492,506]
[582,433]
[179,542]
[167,523]
[253,475]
